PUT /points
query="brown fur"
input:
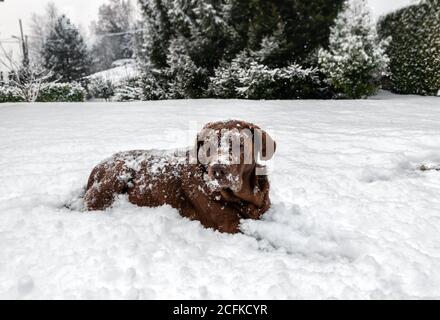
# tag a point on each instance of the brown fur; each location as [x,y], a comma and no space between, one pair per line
[155,178]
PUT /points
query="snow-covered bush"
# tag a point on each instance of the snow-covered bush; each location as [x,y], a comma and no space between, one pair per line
[153,84]
[100,88]
[414,49]
[355,61]
[228,77]
[129,91]
[246,78]
[26,79]
[10,94]
[62,92]
[291,82]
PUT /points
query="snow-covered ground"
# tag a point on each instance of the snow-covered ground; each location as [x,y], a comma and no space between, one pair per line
[352,215]
[122,71]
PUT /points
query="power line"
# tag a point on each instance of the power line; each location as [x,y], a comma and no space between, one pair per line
[9,41]
[120,33]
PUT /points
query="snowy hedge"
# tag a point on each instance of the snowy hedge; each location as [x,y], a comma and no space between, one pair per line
[292,82]
[10,94]
[62,92]
[243,78]
[414,48]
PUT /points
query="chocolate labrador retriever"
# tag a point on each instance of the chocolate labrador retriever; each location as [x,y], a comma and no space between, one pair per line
[217,183]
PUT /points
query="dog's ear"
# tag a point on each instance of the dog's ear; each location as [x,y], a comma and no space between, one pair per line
[205,139]
[265,146]
[195,150]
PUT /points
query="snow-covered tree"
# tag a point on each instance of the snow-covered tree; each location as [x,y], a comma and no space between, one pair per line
[272,48]
[304,26]
[113,32]
[414,48]
[157,32]
[153,86]
[186,79]
[209,33]
[130,90]
[65,52]
[184,42]
[213,32]
[200,24]
[229,76]
[355,60]
[101,88]
[41,26]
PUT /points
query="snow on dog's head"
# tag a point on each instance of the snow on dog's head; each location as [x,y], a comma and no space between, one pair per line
[230,150]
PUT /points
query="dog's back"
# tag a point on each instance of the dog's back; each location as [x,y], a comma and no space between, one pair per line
[149,178]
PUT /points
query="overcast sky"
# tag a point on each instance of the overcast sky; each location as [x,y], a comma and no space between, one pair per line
[83,11]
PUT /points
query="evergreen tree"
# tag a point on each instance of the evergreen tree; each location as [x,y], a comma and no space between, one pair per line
[355,60]
[41,25]
[432,48]
[227,81]
[157,35]
[184,42]
[299,27]
[186,80]
[65,52]
[219,29]
[209,33]
[113,42]
[213,32]
[414,48]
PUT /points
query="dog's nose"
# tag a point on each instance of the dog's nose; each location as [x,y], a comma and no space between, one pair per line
[218,171]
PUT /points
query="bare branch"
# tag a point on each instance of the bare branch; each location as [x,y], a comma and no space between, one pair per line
[27,78]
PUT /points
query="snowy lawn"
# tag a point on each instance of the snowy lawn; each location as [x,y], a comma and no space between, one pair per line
[352,215]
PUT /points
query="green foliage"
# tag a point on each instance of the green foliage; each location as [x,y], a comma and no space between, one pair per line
[65,52]
[414,49]
[154,85]
[246,78]
[355,61]
[62,92]
[217,30]
[158,32]
[228,77]
[100,88]
[291,82]
[299,26]
[186,42]
[185,79]
[130,90]
[10,94]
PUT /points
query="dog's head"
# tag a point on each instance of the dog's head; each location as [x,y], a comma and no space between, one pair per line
[230,151]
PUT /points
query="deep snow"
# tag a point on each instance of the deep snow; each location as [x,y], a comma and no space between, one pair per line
[352,215]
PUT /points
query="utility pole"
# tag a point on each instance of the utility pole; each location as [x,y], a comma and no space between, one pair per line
[23,43]
[27,47]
